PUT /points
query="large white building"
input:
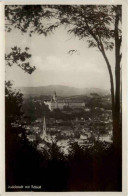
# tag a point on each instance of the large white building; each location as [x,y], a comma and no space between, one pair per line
[55,103]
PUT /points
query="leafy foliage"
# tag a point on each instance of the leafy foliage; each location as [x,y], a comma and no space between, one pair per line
[92,22]
[96,23]
[19,57]
[13,103]
[71,52]
[33,110]
[13,98]
[30,18]
[91,169]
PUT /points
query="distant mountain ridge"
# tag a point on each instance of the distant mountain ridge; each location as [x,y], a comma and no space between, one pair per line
[60,90]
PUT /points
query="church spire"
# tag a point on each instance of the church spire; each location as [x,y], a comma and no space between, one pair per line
[44,128]
[54,96]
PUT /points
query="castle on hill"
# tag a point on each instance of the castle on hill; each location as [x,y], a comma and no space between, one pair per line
[55,103]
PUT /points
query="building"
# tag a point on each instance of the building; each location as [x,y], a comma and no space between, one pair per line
[44,136]
[105,138]
[55,103]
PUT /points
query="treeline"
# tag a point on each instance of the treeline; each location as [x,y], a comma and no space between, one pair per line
[92,169]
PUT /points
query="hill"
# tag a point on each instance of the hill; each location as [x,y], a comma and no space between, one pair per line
[60,90]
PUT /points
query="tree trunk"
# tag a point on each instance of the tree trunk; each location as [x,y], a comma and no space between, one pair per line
[117,132]
[115,104]
[111,84]
[115,98]
[117,135]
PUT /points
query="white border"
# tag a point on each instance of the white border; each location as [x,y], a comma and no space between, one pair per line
[124,94]
[2,99]
[124,98]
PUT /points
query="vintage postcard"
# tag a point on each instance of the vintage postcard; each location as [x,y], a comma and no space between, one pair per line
[64,97]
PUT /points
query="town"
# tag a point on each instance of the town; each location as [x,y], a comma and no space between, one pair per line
[66,120]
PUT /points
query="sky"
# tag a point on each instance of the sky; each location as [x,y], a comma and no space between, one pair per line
[54,66]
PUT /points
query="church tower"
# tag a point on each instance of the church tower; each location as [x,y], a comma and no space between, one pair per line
[54,97]
[44,134]
[46,138]
[54,101]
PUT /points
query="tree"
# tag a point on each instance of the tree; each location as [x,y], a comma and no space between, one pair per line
[98,24]
[13,103]
[13,113]
[14,98]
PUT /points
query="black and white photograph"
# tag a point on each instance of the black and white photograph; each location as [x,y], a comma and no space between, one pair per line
[63,97]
